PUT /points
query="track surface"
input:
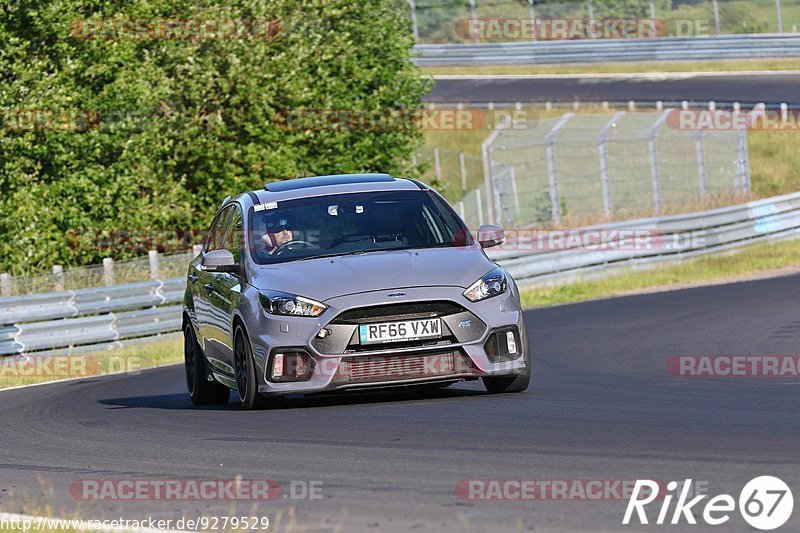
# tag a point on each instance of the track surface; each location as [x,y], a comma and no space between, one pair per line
[602,407]
[746,88]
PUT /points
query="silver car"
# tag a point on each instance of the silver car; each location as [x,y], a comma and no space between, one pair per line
[347,282]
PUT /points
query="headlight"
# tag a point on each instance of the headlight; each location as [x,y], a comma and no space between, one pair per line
[489,285]
[281,303]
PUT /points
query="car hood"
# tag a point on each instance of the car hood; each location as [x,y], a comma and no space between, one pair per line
[329,277]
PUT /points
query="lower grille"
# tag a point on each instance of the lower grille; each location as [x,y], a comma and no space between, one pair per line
[397,367]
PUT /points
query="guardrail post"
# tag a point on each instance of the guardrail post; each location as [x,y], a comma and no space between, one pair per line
[152,255]
[414,26]
[784,112]
[437,165]
[605,177]
[552,169]
[58,278]
[505,122]
[5,285]
[108,271]
[463,166]
[716,16]
[780,15]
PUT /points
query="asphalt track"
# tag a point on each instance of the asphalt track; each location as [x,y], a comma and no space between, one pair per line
[747,88]
[601,407]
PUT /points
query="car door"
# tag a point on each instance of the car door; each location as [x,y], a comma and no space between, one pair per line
[226,290]
[202,287]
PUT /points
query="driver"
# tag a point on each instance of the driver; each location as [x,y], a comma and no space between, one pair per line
[277,234]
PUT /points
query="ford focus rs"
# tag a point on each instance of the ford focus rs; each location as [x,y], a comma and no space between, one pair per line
[347,282]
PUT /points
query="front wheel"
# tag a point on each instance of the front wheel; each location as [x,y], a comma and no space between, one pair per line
[201,391]
[246,383]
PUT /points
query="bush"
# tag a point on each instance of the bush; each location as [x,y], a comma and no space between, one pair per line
[107,134]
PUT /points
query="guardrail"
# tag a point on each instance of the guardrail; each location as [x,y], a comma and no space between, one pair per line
[610,51]
[71,321]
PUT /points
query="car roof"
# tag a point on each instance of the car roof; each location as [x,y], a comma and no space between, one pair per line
[326,185]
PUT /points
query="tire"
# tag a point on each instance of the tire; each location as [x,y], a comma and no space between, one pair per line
[201,391]
[245,372]
[509,384]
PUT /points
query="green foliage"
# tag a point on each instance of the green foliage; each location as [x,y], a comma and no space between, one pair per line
[161,130]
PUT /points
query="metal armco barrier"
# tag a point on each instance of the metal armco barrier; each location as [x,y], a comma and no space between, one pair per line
[74,320]
[609,51]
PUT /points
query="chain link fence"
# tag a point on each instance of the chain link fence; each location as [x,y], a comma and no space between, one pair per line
[447,21]
[582,169]
[155,266]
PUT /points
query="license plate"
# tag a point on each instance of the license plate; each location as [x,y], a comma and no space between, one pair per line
[407,330]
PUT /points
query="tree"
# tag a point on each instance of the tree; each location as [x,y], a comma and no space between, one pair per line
[108,130]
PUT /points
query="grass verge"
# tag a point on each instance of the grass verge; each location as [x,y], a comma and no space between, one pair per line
[132,359]
[621,68]
[755,261]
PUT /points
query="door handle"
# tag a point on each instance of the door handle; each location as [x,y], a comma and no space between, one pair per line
[192,278]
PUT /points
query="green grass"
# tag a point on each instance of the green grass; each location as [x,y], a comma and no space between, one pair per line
[132,358]
[623,68]
[759,260]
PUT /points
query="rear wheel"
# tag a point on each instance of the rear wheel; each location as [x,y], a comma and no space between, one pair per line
[201,391]
[246,383]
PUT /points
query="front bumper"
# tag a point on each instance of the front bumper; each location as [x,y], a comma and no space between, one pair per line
[340,362]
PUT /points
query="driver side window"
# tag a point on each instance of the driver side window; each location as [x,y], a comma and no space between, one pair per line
[235,235]
[214,239]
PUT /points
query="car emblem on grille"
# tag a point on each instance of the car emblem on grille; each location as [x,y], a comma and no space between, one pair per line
[396,294]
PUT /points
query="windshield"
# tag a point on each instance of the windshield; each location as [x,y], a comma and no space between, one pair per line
[352,223]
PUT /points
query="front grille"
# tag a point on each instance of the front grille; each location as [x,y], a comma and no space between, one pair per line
[367,369]
[404,311]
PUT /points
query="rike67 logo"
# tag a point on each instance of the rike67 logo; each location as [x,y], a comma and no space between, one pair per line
[765,503]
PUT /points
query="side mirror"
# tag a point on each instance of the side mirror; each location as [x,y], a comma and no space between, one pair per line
[219,261]
[490,235]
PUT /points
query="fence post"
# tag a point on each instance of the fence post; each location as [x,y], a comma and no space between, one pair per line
[701,163]
[152,255]
[590,7]
[58,278]
[196,249]
[473,15]
[780,15]
[743,163]
[108,271]
[5,284]
[479,203]
[463,164]
[654,166]
[414,26]
[437,165]
[716,16]
[532,15]
[653,9]
[552,169]
[461,211]
[605,177]
[487,163]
